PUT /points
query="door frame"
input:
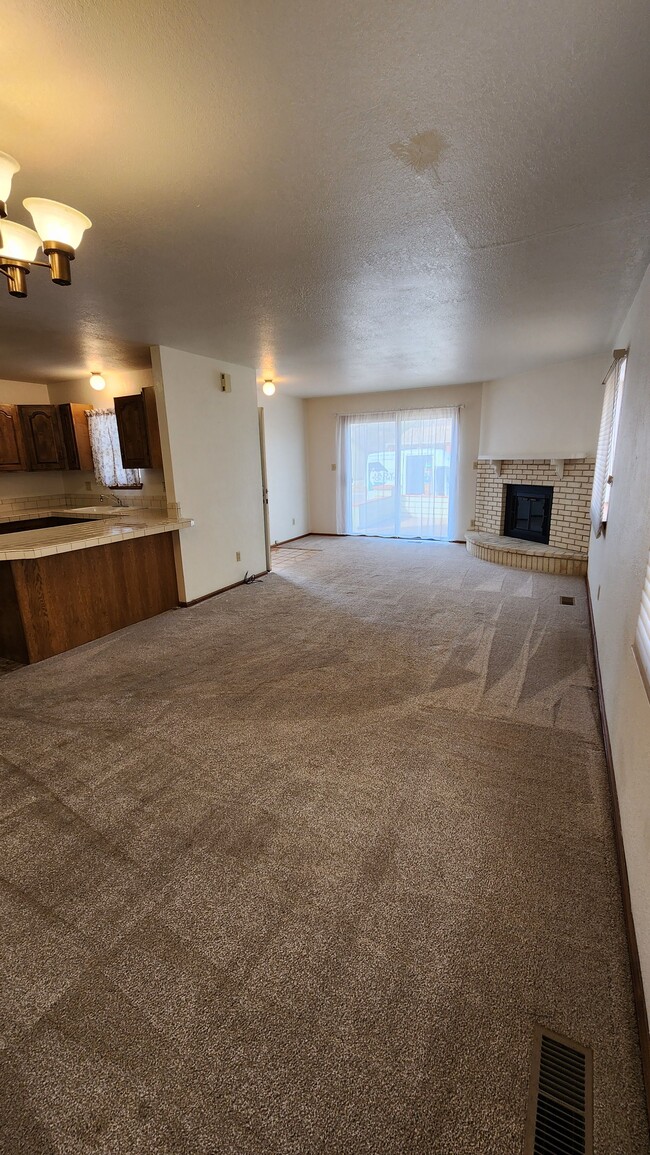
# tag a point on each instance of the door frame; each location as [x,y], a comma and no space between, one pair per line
[265,488]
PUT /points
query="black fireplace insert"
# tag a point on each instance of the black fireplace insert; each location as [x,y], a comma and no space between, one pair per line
[528,512]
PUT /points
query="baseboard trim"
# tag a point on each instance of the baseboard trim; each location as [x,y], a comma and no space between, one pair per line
[223,590]
[633,950]
[277,544]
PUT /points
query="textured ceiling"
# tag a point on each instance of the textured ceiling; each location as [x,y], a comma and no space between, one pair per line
[347,196]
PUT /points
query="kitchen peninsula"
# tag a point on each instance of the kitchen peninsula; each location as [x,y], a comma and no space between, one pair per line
[83,574]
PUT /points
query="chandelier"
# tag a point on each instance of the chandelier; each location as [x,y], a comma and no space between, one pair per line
[58,230]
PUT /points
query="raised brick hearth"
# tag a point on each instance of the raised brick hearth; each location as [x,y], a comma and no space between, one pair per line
[525,554]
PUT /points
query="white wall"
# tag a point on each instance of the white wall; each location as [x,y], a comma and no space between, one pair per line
[321,442]
[120,383]
[211,456]
[286,464]
[551,412]
[617,562]
[21,484]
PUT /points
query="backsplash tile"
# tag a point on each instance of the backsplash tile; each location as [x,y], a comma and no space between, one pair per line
[11,505]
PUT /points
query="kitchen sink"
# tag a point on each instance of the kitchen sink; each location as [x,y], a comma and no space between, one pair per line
[93,511]
[40,523]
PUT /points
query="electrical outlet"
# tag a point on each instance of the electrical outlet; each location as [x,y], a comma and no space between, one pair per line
[238,556]
[333,469]
[293,521]
[225,382]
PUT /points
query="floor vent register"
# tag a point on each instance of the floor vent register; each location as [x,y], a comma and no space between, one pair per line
[560,1105]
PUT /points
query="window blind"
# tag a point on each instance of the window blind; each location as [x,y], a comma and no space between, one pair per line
[607,441]
[642,640]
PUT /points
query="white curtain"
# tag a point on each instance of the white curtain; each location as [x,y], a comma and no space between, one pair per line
[107,458]
[398,473]
[642,640]
[607,442]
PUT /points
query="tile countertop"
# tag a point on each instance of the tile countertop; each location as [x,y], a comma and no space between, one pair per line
[108,528]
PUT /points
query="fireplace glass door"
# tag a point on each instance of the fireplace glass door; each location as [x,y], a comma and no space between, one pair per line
[528,512]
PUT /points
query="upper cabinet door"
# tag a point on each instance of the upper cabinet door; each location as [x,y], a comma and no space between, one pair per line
[137,427]
[76,438]
[12,446]
[43,439]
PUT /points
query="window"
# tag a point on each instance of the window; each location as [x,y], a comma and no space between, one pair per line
[607,441]
[107,458]
[397,473]
[642,640]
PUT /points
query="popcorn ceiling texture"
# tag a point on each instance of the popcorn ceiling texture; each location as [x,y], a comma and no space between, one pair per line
[570,523]
[294,872]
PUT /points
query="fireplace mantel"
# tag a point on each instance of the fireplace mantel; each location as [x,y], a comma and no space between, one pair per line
[556,461]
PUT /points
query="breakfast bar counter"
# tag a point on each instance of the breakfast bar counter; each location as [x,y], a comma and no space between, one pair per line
[62,585]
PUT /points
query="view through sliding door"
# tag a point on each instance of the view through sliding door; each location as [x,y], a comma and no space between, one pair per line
[398,473]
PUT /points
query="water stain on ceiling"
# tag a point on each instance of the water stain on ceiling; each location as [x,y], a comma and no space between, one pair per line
[420,152]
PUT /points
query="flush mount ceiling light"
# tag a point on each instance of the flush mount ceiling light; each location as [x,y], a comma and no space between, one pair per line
[268,387]
[59,229]
[97,381]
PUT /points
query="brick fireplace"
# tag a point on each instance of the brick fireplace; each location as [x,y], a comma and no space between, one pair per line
[571,482]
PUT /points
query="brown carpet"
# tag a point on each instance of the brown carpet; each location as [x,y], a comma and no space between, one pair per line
[298,869]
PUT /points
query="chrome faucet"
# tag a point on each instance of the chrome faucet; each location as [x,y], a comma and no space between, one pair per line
[113,498]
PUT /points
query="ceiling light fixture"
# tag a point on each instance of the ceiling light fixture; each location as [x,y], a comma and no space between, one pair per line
[268,387]
[59,229]
[97,381]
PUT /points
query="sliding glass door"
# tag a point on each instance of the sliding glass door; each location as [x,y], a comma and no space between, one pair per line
[397,473]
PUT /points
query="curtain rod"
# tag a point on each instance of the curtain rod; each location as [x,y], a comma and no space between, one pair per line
[407,409]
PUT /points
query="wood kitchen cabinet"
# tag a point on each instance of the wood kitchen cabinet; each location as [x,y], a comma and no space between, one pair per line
[41,428]
[12,444]
[76,438]
[137,427]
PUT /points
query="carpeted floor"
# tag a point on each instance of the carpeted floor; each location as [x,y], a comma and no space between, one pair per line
[298,869]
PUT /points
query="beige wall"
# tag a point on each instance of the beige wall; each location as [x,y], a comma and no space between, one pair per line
[211,455]
[550,412]
[617,562]
[23,393]
[13,485]
[321,442]
[286,464]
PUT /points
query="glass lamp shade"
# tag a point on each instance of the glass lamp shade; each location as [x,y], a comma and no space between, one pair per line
[18,242]
[97,381]
[57,222]
[8,166]
[269,388]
